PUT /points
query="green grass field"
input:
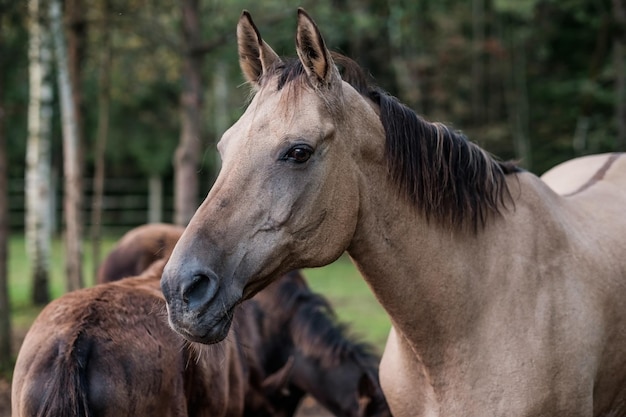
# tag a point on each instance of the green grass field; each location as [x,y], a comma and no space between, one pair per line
[339,282]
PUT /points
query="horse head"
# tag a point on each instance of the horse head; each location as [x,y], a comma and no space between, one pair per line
[288,181]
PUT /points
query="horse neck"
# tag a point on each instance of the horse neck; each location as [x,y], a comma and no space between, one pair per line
[427,276]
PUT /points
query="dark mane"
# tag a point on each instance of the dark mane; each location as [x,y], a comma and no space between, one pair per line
[315,328]
[452,180]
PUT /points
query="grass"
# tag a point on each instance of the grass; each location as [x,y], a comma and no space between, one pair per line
[352,299]
[340,282]
[23,312]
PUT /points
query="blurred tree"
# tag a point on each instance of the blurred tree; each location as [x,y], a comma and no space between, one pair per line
[104,81]
[38,192]
[75,28]
[523,78]
[72,209]
[187,155]
[619,55]
[5,308]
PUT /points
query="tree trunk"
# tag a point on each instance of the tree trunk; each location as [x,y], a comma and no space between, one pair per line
[221,119]
[517,99]
[478,41]
[72,212]
[619,54]
[5,310]
[102,134]
[75,17]
[38,196]
[189,148]
[155,199]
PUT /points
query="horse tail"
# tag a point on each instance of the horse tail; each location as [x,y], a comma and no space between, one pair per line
[66,390]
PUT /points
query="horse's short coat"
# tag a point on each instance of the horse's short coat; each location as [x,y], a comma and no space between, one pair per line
[107,351]
[506,298]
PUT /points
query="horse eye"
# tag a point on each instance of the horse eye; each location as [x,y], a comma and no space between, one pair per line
[299,154]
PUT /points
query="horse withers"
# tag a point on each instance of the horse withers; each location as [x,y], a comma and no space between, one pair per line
[506,298]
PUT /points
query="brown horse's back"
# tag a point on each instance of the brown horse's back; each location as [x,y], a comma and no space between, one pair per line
[138,249]
[108,351]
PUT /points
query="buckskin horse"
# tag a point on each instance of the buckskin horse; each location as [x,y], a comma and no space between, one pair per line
[506,299]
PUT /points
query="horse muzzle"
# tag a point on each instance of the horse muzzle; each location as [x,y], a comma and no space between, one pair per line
[194,307]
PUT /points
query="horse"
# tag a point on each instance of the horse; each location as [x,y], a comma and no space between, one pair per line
[137,249]
[302,335]
[506,298]
[108,351]
[294,342]
[576,175]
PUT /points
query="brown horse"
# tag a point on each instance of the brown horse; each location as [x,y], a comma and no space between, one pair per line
[299,327]
[506,298]
[138,249]
[108,351]
[295,345]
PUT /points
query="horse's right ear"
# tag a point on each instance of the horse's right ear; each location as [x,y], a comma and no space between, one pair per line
[255,56]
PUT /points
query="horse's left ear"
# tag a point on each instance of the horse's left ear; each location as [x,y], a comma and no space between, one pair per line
[312,51]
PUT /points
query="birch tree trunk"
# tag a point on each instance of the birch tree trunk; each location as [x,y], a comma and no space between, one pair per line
[186,159]
[5,310]
[37,191]
[72,212]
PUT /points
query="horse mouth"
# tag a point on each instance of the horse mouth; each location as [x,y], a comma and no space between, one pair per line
[203,329]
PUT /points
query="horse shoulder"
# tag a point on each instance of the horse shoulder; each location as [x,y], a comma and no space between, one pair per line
[404,380]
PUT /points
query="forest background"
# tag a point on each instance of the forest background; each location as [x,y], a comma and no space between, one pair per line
[96,95]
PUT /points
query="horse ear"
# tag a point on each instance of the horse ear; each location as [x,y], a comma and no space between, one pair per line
[255,56]
[312,51]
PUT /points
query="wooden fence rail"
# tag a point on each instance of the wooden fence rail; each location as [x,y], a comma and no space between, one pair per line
[127,202]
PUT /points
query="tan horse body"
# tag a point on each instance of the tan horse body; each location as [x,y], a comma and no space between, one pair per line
[506,298]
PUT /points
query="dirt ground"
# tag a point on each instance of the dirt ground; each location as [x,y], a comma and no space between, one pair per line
[308,408]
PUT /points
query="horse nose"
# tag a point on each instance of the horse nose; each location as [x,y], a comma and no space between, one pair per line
[198,291]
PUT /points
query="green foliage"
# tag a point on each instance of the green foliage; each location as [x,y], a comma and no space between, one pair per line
[443,58]
[522,8]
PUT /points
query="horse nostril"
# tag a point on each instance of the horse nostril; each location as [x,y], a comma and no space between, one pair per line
[196,292]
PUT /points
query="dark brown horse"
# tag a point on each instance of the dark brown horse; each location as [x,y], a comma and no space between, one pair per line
[301,347]
[138,249]
[301,333]
[108,351]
